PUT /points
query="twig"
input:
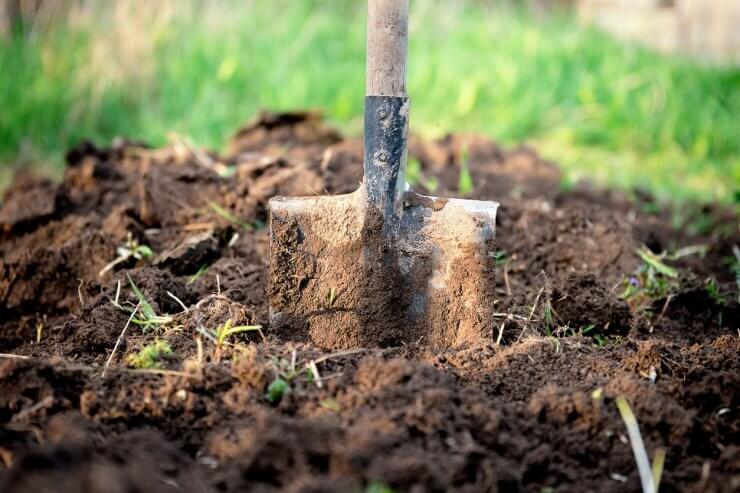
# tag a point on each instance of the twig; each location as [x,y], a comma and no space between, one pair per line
[198,226]
[506,279]
[511,316]
[118,292]
[500,333]
[531,313]
[185,308]
[340,354]
[155,371]
[79,293]
[13,356]
[24,413]
[116,261]
[536,301]
[120,338]
[199,345]
[88,368]
[665,308]
[206,334]
[316,374]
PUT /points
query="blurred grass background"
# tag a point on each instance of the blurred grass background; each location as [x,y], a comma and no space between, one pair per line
[602,109]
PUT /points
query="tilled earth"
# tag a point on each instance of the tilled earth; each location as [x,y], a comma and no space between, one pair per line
[531,410]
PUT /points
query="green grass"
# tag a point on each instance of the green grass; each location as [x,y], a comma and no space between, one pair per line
[610,111]
[151,356]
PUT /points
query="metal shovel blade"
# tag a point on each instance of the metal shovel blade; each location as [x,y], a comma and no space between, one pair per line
[383,265]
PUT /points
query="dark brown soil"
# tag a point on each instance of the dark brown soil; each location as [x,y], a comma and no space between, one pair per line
[530,409]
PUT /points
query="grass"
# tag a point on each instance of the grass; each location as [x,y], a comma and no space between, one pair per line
[602,109]
[229,217]
[652,280]
[151,355]
[649,475]
[378,487]
[148,318]
[131,249]
[228,329]
[276,390]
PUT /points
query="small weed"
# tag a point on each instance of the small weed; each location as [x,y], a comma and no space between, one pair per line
[150,356]
[589,329]
[414,175]
[276,390]
[714,292]
[228,216]
[649,475]
[547,317]
[223,332]
[287,372]
[131,249]
[652,280]
[500,257]
[149,319]
[465,181]
[378,487]
[700,250]
[655,262]
[197,275]
[600,340]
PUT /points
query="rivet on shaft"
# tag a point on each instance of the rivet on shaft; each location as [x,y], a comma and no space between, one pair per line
[382,156]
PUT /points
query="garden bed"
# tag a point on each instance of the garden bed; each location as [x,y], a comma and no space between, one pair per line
[194,398]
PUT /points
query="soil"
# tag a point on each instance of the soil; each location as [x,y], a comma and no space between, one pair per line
[531,408]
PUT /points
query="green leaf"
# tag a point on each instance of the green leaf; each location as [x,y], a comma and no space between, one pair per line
[230,217]
[144,251]
[276,390]
[655,262]
[378,487]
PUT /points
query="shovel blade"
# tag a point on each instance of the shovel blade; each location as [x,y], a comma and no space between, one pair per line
[339,279]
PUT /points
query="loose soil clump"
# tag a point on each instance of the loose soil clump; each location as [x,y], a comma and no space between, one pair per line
[151,374]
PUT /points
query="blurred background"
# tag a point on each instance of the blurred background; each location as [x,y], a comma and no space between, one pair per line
[628,93]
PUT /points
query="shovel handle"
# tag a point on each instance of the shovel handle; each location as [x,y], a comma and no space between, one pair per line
[387,47]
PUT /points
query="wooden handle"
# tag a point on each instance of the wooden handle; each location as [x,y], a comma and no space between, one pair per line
[387,46]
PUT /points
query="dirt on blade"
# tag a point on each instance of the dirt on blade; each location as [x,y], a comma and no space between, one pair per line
[219,406]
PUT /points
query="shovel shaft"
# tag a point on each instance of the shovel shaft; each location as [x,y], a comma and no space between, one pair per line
[386,108]
[387,47]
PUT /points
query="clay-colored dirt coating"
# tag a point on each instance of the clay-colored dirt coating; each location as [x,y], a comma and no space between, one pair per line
[342,277]
[531,407]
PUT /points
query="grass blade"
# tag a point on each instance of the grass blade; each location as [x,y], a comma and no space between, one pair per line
[656,263]
[638,448]
[657,469]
